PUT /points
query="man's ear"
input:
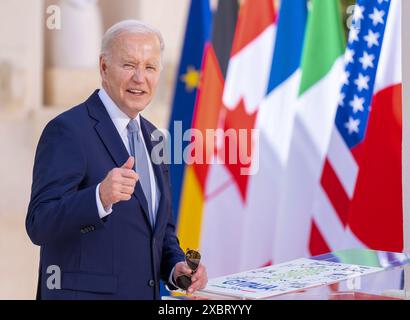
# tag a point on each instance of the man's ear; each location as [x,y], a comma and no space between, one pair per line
[103,66]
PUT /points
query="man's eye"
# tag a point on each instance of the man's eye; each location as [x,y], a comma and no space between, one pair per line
[128,66]
[151,68]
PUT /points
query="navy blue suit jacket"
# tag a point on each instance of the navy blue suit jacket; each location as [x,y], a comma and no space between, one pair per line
[119,257]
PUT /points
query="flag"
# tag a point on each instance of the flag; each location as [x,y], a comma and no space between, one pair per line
[360,199]
[275,123]
[206,114]
[321,66]
[225,19]
[197,34]
[227,197]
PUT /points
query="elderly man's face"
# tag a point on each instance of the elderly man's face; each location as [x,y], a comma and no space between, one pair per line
[130,76]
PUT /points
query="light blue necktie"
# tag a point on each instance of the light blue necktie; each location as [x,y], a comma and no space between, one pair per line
[137,150]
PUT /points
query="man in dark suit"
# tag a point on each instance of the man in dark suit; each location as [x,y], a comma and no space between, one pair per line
[100,207]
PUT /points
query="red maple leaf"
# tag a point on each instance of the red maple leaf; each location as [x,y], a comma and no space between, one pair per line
[236,148]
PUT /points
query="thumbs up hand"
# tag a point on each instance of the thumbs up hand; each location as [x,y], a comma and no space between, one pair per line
[119,184]
[129,164]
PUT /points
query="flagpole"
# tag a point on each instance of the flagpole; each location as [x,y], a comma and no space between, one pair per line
[406,134]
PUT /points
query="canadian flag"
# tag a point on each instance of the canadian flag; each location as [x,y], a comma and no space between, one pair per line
[236,224]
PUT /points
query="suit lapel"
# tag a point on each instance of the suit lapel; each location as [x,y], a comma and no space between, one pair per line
[111,139]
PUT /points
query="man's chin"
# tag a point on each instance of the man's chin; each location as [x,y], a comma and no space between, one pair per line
[135,109]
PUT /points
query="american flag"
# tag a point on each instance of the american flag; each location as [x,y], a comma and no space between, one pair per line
[331,226]
[361,58]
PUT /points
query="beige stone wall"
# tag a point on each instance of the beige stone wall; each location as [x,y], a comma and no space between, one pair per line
[21,50]
[23,115]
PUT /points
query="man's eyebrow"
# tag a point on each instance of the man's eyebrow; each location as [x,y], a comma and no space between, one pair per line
[133,61]
[128,59]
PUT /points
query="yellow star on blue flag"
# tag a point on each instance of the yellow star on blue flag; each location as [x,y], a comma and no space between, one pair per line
[191,79]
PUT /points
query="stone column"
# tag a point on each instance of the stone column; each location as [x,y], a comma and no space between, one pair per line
[114,11]
[21,52]
[72,52]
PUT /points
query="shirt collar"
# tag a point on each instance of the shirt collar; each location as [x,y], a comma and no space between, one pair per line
[118,117]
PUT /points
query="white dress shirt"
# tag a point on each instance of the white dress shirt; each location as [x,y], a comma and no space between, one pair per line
[121,120]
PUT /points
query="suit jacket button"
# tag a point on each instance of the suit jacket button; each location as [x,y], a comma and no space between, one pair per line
[151,283]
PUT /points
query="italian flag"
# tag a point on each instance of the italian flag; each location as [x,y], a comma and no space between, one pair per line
[322,65]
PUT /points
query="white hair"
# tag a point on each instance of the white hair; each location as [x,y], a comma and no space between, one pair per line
[128,26]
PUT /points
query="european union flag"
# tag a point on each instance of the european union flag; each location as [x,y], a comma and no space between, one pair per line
[197,34]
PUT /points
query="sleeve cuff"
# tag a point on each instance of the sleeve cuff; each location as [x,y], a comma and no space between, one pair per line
[171,277]
[171,286]
[101,211]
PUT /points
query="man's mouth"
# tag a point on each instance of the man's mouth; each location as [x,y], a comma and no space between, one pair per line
[136,92]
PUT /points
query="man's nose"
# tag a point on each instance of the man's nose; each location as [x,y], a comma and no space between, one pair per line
[138,75]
